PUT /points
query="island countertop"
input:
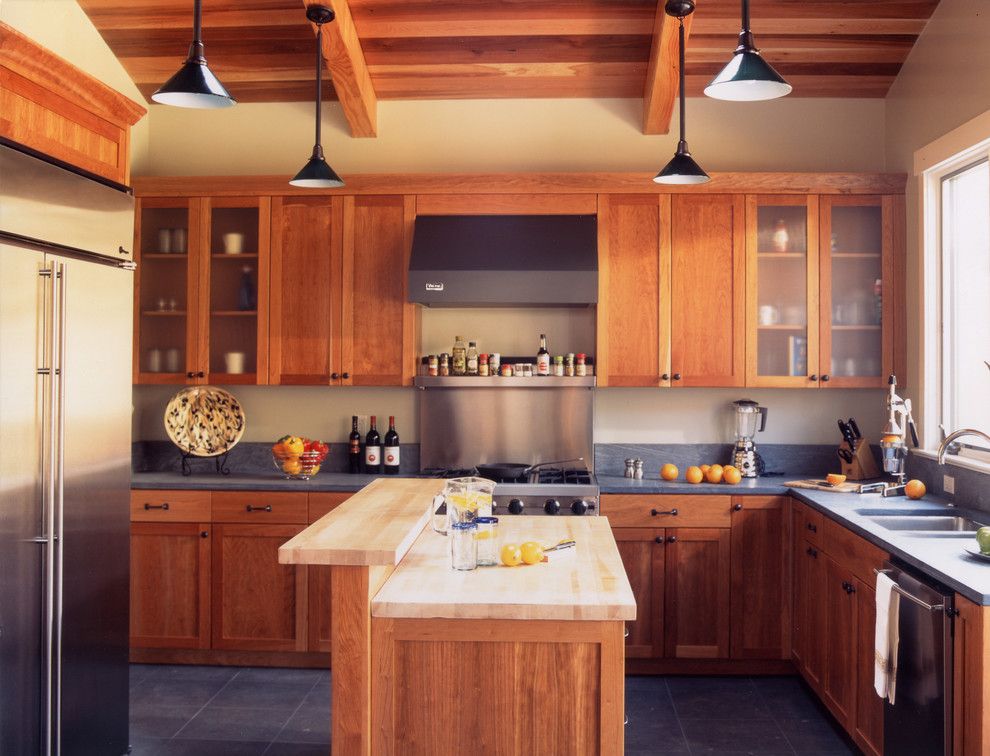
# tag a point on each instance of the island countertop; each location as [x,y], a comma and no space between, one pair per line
[589,584]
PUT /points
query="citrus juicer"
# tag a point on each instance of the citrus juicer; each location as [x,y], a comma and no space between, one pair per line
[893,446]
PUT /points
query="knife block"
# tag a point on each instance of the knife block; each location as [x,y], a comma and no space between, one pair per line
[863,466]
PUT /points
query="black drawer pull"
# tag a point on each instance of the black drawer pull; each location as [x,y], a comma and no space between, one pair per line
[672,539]
[665,377]
[658,539]
[204,534]
[657,513]
[813,553]
[737,507]
[163,506]
[252,508]
[812,528]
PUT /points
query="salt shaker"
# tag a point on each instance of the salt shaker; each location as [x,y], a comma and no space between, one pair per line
[638,469]
[629,468]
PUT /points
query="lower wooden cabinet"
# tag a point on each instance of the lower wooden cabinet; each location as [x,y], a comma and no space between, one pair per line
[838,687]
[808,610]
[868,731]
[170,585]
[696,593]
[971,679]
[642,555]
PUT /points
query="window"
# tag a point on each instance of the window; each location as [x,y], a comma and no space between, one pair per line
[958,285]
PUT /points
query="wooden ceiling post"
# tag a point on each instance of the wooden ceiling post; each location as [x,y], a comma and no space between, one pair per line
[661,75]
[351,80]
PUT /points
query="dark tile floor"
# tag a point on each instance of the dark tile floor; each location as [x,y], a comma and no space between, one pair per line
[228,711]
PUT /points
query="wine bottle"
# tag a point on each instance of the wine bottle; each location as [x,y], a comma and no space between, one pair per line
[543,357]
[391,448]
[373,449]
[354,447]
[458,357]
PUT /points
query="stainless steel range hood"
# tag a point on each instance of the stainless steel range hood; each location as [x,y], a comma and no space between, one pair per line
[487,260]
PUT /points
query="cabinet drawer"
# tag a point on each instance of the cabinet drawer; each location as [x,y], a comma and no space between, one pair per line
[809,524]
[170,506]
[856,554]
[323,502]
[658,511]
[259,507]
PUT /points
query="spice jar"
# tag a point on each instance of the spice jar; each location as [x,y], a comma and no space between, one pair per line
[433,365]
[444,364]
[569,365]
[558,365]
[463,545]
[482,364]
[487,538]
[494,362]
[505,370]
[580,369]
[528,370]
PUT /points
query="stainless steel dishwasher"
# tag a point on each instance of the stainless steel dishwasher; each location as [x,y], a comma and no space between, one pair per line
[919,722]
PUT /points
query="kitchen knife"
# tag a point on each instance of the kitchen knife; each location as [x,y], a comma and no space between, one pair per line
[847,434]
[845,455]
[854,428]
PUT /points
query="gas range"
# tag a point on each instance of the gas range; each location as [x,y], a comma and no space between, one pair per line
[547,491]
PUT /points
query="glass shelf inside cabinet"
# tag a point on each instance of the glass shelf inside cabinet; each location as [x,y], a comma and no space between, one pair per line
[234,294]
[163,289]
[782,304]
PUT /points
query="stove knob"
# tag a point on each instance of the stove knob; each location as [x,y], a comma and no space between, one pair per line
[551,507]
[579,506]
[515,506]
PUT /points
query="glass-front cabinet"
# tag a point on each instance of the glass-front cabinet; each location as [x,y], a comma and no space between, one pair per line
[782,290]
[201,290]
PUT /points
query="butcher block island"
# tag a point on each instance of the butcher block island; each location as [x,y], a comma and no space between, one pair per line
[498,660]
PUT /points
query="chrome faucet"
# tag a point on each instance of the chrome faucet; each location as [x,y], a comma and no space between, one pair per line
[944,446]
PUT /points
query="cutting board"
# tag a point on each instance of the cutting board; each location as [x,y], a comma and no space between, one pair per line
[819,485]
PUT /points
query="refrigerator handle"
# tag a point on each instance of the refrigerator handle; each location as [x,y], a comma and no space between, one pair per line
[59,470]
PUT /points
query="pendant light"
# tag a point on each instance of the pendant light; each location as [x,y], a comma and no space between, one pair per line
[316,174]
[681,169]
[747,76]
[194,85]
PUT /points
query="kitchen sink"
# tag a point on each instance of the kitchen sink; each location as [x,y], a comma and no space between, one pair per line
[927,522]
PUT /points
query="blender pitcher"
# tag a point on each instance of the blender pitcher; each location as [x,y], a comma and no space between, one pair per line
[462,500]
[744,456]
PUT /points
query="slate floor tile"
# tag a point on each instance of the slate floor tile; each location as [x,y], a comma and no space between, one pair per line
[192,672]
[175,692]
[261,725]
[816,735]
[297,749]
[138,672]
[246,694]
[735,736]
[145,746]
[281,675]
[149,721]
[308,724]
[789,698]
[716,698]
[211,748]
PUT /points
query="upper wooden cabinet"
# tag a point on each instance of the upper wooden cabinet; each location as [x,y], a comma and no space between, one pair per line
[201,293]
[49,105]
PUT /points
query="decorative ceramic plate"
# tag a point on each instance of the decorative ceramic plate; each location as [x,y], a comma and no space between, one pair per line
[977,553]
[204,421]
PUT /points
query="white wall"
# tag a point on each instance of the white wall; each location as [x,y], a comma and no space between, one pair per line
[62,27]
[944,83]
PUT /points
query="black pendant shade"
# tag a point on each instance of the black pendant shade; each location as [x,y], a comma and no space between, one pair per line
[682,168]
[317,174]
[747,77]
[194,85]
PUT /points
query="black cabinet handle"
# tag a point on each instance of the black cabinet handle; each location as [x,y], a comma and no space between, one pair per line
[163,506]
[204,534]
[677,376]
[334,376]
[190,374]
[672,539]
[252,508]
[850,588]
[665,377]
[345,376]
[826,378]
[737,508]
[813,528]
[813,377]
[813,553]
[658,539]
[657,513]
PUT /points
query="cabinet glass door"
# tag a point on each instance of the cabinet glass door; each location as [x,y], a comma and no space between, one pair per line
[165,296]
[852,310]
[782,262]
[237,269]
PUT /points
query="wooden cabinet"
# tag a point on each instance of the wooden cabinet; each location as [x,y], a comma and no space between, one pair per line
[642,552]
[707,290]
[170,585]
[808,626]
[379,339]
[319,612]
[761,578]
[971,679]
[306,291]
[868,732]
[201,311]
[696,593]
[838,688]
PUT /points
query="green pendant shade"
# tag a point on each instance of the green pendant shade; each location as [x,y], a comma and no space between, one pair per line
[747,77]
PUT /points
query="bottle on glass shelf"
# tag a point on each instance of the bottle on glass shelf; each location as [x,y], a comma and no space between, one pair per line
[391,457]
[781,237]
[373,449]
[458,357]
[543,357]
[247,297]
[471,360]
[354,448]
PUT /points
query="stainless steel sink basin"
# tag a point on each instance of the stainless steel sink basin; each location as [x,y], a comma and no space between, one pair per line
[927,522]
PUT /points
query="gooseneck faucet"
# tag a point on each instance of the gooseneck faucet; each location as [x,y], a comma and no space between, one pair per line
[944,446]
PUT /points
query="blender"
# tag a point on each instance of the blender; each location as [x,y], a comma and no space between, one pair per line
[744,456]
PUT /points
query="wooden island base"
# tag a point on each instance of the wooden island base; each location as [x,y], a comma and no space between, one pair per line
[497,686]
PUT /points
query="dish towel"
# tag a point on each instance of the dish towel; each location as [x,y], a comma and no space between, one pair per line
[886,639]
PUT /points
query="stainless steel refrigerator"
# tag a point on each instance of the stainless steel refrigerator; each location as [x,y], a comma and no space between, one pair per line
[66,287]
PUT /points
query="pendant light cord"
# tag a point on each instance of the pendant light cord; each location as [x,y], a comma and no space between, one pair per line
[680,42]
[197,21]
[317,148]
[745,15]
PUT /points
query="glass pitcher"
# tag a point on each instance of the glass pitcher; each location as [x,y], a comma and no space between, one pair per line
[747,413]
[462,500]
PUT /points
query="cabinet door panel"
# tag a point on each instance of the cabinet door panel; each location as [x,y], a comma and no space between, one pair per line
[258,604]
[379,324]
[839,673]
[320,602]
[696,596]
[708,289]
[761,583]
[809,610]
[305,320]
[643,558]
[633,309]
[869,706]
[170,585]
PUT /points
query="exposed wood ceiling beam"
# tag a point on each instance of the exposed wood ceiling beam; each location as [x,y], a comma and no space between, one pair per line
[351,80]
[661,74]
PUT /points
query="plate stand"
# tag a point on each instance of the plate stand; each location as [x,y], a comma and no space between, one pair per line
[219,462]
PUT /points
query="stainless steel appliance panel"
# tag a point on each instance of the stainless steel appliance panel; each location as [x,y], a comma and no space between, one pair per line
[95,538]
[22,397]
[463,427]
[920,720]
[45,202]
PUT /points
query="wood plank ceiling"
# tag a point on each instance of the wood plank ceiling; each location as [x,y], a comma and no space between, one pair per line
[263,50]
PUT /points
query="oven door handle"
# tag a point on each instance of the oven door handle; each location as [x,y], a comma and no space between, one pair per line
[910,597]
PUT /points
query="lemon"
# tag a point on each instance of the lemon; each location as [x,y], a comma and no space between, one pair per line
[511,555]
[531,552]
[482,535]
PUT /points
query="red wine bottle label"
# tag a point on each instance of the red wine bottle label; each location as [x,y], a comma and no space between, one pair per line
[372,455]
[355,446]
[392,456]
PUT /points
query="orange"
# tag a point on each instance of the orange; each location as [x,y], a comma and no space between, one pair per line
[714,474]
[532,552]
[915,489]
[704,469]
[731,476]
[835,480]
[669,472]
[511,555]
[694,475]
